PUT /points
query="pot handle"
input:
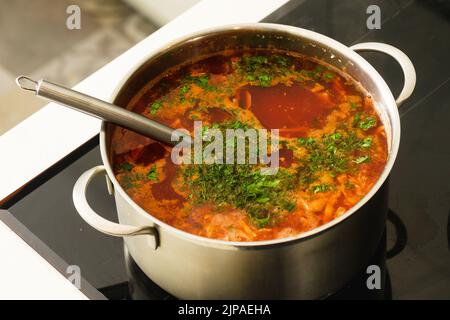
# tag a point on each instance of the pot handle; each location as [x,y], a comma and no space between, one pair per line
[95,220]
[405,63]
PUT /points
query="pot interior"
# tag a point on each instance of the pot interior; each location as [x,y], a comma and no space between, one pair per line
[263,36]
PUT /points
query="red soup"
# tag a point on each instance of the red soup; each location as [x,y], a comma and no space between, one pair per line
[332,146]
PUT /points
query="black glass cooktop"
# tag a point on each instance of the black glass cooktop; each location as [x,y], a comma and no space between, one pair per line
[416,248]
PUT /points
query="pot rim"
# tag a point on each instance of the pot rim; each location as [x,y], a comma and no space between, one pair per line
[348,53]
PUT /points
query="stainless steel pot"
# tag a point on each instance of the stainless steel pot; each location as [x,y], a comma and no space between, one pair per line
[310,265]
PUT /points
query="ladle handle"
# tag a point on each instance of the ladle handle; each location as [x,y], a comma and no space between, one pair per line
[98,108]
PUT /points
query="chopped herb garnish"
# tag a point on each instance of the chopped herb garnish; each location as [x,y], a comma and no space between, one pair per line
[243,186]
[366,143]
[265,80]
[184,89]
[126,166]
[310,74]
[260,222]
[202,81]
[332,153]
[281,60]
[362,159]
[336,136]
[367,123]
[155,106]
[354,105]
[356,119]
[260,70]
[319,73]
[364,123]
[152,174]
[289,206]
[320,188]
[306,141]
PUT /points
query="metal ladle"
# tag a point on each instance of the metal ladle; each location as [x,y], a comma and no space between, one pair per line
[102,110]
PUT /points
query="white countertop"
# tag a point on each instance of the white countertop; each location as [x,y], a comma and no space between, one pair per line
[24,274]
[50,134]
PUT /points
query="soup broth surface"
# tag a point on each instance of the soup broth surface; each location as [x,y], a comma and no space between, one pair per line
[332,146]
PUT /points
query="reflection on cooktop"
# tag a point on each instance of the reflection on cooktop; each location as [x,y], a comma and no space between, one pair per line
[401,235]
[448,230]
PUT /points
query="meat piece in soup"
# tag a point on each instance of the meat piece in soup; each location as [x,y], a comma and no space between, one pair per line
[333,146]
